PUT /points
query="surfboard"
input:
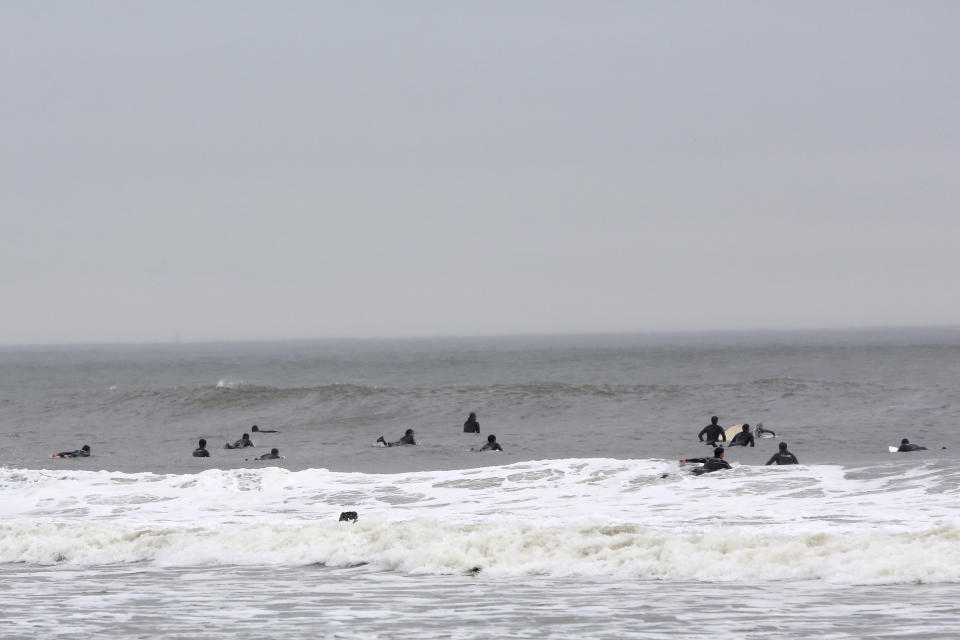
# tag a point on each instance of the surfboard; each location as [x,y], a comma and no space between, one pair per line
[765,435]
[732,431]
[893,449]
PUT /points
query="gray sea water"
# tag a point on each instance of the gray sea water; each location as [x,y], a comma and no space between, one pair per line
[584,526]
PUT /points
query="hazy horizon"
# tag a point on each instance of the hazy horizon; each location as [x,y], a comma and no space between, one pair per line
[245,171]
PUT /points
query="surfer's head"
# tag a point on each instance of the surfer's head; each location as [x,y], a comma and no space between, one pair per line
[245,436]
[202,443]
[254,428]
[718,452]
[473,415]
[409,432]
[714,419]
[904,441]
[86,448]
[783,446]
[275,451]
[746,427]
[491,438]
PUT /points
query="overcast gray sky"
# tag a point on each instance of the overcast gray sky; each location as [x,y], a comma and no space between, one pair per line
[256,170]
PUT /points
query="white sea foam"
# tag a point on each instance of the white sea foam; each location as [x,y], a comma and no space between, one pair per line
[556,517]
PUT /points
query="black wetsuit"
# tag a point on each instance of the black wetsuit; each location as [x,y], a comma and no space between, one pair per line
[783,457]
[491,446]
[911,447]
[709,464]
[239,444]
[270,456]
[742,439]
[79,453]
[471,426]
[201,453]
[713,432]
[266,431]
[760,432]
[403,440]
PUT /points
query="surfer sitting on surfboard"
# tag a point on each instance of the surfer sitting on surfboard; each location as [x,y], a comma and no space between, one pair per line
[744,438]
[713,431]
[471,425]
[709,464]
[201,450]
[783,456]
[492,444]
[83,452]
[906,445]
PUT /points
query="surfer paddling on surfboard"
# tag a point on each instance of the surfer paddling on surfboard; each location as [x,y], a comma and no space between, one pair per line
[82,452]
[906,445]
[709,464]
[406,439]
[763,432]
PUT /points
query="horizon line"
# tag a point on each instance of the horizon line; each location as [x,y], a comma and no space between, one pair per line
[489,336]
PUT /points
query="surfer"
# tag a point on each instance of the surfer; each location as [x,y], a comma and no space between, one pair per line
[406,439]
[744,438]
[257,429]
[201,451]
[906,445]
[783,456]
[273,455]
[82,452]
[762,431]
[492,444]
[709,464]
[471,425]
[713,431]
[244,441]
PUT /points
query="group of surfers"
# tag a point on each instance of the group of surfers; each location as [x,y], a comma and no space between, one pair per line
[471,425]
[713,433]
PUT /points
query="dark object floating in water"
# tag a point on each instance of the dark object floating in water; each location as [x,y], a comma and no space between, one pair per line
[348,515]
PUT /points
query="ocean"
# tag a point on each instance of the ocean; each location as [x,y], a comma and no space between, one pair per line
[585,526]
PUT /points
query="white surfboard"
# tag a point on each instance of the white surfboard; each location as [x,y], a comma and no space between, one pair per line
[893,449]
[732,431]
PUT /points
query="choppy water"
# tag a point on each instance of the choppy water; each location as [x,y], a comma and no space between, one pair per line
[584,527]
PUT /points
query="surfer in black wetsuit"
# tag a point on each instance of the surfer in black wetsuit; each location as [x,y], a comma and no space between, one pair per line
[906,445]
[713,431]
[201,451]
[471,425]
[783,456]
[406,439]
[244,441]
[492,444]
[82,452]
[709,464]
[273,455]
[744,438]
[761,430]
[257,429]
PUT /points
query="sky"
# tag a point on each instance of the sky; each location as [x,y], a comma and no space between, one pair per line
[228,170]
